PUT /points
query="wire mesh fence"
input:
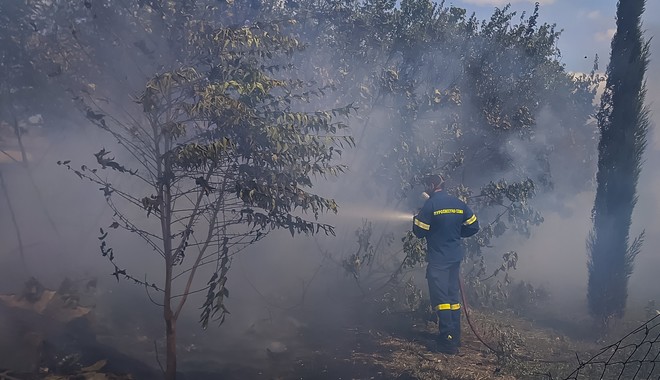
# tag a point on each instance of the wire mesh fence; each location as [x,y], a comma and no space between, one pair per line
[635,356]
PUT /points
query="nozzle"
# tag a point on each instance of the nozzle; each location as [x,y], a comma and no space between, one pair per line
[425,196]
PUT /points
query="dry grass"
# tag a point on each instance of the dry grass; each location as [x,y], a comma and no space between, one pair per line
[402,358]
[526,351]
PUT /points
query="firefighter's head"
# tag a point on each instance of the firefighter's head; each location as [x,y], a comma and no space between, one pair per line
[433,183]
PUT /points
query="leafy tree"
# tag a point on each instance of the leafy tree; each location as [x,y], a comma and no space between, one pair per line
[623,123]
[442,83]
[226,151]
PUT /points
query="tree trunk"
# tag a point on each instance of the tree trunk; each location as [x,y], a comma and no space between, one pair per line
[10,207]
[170,331]
[170,318]
[164,173]
[26,163]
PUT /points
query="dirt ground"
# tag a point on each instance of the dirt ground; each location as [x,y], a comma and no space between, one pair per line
[400,348]
[387,347]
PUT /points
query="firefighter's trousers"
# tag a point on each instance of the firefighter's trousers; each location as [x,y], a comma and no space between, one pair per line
[444,291]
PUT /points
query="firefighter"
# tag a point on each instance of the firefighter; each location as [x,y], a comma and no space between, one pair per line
[443,221]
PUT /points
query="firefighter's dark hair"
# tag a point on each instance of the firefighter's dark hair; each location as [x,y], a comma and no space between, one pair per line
[434,179]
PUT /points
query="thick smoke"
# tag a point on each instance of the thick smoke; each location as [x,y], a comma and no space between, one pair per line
[555,256]
[280,284]
[644,279]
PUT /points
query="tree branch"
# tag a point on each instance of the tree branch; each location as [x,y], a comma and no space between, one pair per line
[199,256]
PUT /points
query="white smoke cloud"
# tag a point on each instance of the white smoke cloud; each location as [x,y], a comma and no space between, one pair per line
[605,36]
[594,15]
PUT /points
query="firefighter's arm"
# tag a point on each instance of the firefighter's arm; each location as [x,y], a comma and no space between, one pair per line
[470,224]
[422,221]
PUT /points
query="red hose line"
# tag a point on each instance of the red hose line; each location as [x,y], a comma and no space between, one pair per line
[469,320]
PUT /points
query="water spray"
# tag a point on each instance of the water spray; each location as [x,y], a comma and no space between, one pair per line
[395,216]
[366,212]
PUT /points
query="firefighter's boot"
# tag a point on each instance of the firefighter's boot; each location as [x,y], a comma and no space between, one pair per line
[456,325]
[445,341]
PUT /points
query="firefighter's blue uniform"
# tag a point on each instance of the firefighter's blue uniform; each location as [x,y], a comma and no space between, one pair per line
[443,221]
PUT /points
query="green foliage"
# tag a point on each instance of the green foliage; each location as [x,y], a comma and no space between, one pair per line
[224,145]
[226,152]
[442,83]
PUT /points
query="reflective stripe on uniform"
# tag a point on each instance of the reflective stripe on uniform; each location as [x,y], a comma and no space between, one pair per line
[448,211]
[471,220]
[422,225]
[456,306]
[443,306]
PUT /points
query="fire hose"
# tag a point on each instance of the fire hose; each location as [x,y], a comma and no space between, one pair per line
[469,320]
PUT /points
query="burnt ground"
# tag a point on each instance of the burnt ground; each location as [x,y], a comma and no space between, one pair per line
[385,347]
[398,347]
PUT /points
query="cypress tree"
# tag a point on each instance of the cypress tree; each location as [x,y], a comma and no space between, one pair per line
[623,122]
